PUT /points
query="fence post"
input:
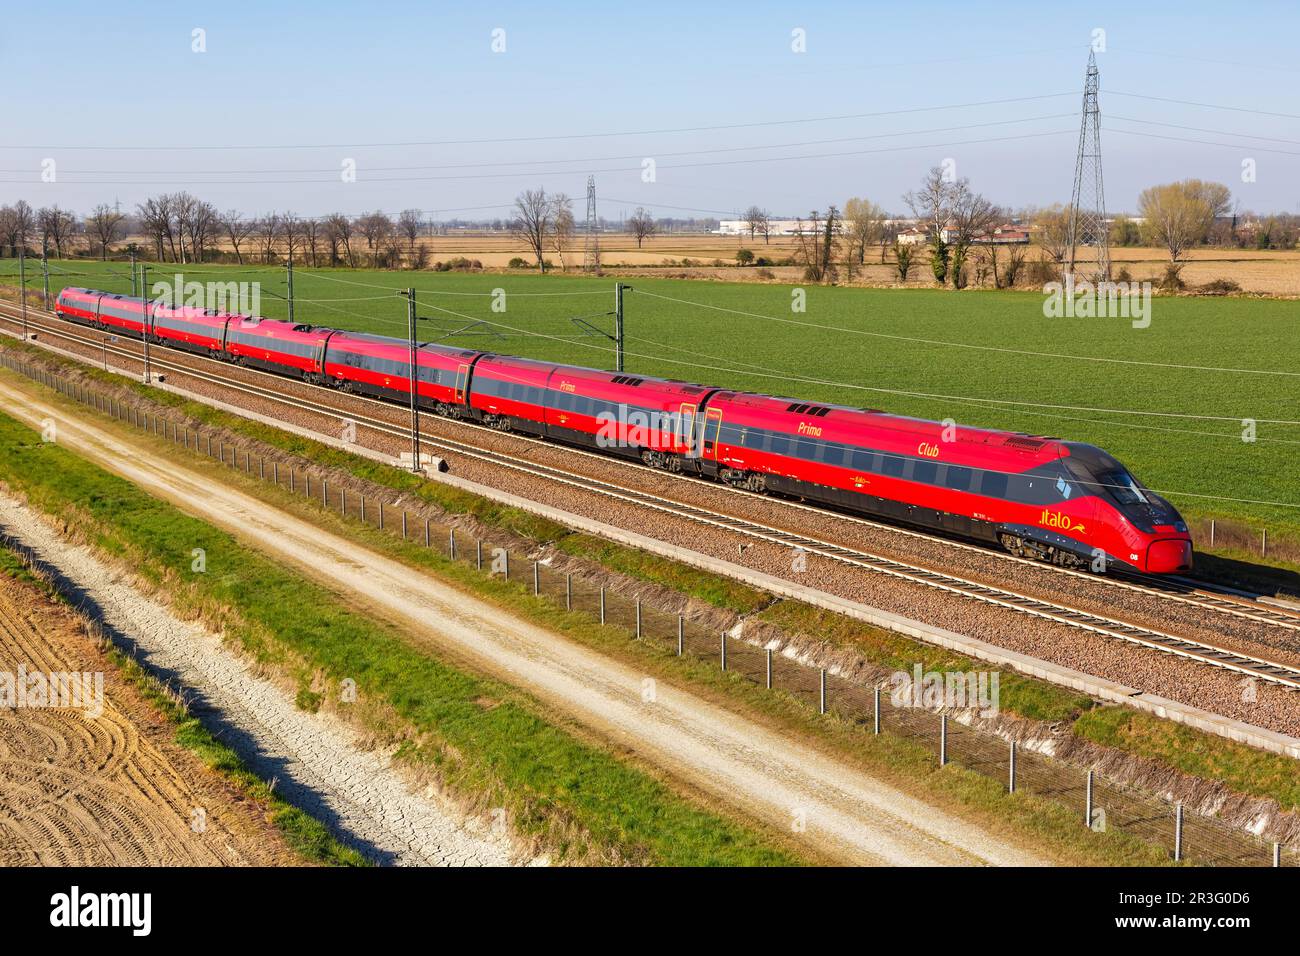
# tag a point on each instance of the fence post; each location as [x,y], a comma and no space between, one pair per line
[602,604]
[403,524]
[325,492]
[875,711]
[363,509]
[292,479]
[478,557]
[507,551]
[381,514]
[1011,770]
[724,650]
[427,540]
[568,591]
[1263,544]
[343,502]
[537,580]
[1277,854]
[275,465]
[943,740]
[769,669]
[1087,806]
[451,543]
[638,618]
[821,697]
[681,634]
[1178,833]
[261,463]
[1211,532]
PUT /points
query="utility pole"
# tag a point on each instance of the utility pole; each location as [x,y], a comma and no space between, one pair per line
[133,292]
[144,291]
[291,285]
[22,284]
[591,241]
[45,271]
[618,325]
[1088,202]
[414,379]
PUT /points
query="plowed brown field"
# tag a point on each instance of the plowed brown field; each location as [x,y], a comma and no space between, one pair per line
[112,789]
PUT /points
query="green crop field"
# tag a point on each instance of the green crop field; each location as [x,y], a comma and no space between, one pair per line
[1169,400]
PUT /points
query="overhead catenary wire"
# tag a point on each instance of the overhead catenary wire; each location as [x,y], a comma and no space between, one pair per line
[183,147]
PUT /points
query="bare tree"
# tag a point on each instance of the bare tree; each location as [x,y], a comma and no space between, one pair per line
[266,233]
[932,205]
[972,216]
[56,226]
[311,238]
[532,222]
[642,225]
[1179,215]
[199,224]
[563,226]
[376,228]
[863,221]
[237,230]
[759,223]
[408,225]
[338,232]
[16,225]
[291,232]
[1053,227]
[155,221]
[816,245]
[105,224]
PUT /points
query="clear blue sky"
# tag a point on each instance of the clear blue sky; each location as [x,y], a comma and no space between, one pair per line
[325,72]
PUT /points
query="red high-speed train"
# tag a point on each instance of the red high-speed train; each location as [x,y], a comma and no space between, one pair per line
[1060,501]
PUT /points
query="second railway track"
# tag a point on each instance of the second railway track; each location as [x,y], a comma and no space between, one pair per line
[1272,671]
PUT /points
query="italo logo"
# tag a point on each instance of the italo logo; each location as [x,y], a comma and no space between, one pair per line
[1062,522]
[75,908]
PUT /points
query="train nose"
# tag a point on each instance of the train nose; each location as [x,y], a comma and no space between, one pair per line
[1173,554]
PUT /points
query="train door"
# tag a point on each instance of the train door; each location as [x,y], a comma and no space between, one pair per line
[686,428]
[712,428]
[462,376]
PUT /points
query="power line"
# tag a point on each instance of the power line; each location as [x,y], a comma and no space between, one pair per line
[552,162]
[1208,106]
[561,172]
[563,136]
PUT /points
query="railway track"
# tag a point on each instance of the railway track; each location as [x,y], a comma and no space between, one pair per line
[1271,671]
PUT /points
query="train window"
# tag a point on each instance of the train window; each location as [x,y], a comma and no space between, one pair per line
[893,466]
[924,472]
[994,484]
[833,453]
[864,461]
[780,445]
[957,478]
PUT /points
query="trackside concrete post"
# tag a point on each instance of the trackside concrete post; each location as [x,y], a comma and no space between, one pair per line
[943,740]
[1087,806]
[1178,833]
[768,683]
[1011,769]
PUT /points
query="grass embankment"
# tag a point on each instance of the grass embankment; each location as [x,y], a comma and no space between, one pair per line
[485,740]
[980,357]
[1047,825]
[304,834]
[1195,752]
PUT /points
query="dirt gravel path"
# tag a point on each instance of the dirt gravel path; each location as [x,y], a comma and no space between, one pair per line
[313,758]
[845,813]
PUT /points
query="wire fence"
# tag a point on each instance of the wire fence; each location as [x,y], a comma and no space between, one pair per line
[1100,803]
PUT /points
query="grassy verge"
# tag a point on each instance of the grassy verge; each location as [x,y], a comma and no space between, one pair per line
[482,738]
[304,834]
[1185,749]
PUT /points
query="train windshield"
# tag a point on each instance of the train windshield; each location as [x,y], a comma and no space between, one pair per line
[1100,474]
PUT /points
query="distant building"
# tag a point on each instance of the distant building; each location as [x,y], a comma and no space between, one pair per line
[912,237]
